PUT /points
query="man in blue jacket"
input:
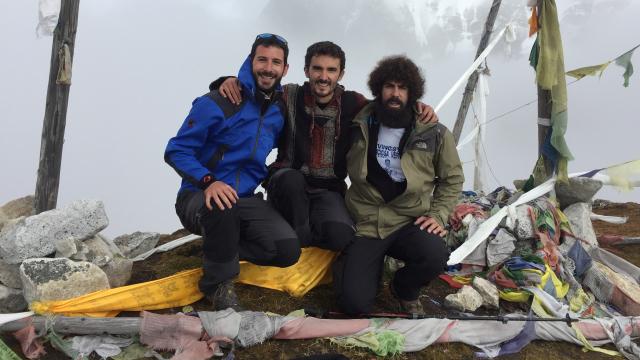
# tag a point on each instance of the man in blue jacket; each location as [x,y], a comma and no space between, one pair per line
[220,153]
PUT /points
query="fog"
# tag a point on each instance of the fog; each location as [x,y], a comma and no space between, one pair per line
[139,64]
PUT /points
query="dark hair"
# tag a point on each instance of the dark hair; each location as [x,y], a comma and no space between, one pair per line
[268,41]
[397,68]
[325,48]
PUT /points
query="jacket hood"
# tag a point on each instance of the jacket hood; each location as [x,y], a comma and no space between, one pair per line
[245,75]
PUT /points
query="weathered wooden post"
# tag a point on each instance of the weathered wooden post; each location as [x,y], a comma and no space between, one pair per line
[544,126]
[55,115]
[473,79]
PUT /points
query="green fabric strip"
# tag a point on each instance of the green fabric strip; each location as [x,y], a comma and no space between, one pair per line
[550,75]
[6,353]
[624,60]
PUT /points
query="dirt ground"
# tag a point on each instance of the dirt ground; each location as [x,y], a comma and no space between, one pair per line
[254,298]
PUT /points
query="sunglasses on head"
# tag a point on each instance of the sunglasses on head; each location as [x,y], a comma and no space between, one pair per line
[269,35]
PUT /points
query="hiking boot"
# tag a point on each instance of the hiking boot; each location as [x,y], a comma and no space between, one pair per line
[225,297]
[407,306]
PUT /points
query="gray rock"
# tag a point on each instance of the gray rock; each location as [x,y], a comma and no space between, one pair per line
[479,255]
[11,300]
[522,228]
[98,251]
[579,215]
[35,236]
[67,247]
[118,271]
[466,299]
[579,189]
[137,243]
[19,207]
[16,208]
[488,290]
[46,279]
[501,247]
[10,275]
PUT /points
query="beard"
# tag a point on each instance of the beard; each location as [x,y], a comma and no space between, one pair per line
[267,74]
[393,118]
[329,88]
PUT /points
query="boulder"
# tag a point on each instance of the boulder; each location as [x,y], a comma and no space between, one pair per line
[466,299]
[36,236]
[488,290]
[522,227]
[500,247]
[576,190]
[46,279]
[10,275]
[137,243]
[579,215]
[11,300]
[16,208]
[479,255]
[118,271]
[94,250]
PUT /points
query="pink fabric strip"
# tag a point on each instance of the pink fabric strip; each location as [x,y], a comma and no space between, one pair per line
[309,327]
[31,346]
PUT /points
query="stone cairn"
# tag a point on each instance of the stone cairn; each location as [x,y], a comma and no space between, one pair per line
[60,254]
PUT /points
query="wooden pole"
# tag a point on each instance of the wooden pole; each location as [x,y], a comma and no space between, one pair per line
[545,106]
[473,79]
[79,325]
[544,125]
[55,114]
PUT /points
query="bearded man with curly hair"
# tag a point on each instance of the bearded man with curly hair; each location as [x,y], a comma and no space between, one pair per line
[405,179]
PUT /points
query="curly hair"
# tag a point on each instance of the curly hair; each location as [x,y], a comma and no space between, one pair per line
[397,68]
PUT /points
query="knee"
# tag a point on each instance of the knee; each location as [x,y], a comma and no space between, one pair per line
[287,179]
[355,303]
[337,235]
[435,260]
[287,252]
[217,214]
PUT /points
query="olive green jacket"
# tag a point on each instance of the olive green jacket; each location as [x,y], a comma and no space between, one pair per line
[434,175]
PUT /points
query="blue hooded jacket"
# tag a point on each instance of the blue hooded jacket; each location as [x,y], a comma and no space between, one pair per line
[210,147]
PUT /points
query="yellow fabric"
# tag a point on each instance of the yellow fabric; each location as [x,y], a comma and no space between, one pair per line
[514,296]
[312,269]
[182,288]
[622,176]
[588,71]
[548,275]
[580,301]
[587,344]
[464,280]
[173,291]
[561,291]
[561,288]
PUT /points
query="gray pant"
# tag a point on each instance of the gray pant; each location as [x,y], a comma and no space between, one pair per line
[251,230]
[318,216]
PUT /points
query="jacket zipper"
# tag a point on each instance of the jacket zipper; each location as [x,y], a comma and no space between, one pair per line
[253,151]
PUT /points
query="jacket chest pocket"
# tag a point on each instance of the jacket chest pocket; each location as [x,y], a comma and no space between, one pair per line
[356,157]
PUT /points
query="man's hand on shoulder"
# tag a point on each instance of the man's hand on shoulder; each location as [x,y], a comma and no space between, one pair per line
[430,225]
[222,195]
[231,90]
[425,113]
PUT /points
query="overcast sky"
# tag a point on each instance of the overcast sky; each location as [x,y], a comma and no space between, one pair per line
[139,64]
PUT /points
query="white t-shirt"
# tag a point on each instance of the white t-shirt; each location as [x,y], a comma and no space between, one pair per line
[388,152]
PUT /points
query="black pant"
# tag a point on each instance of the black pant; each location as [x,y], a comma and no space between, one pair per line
[318,216]
[251,230]
[357,271]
